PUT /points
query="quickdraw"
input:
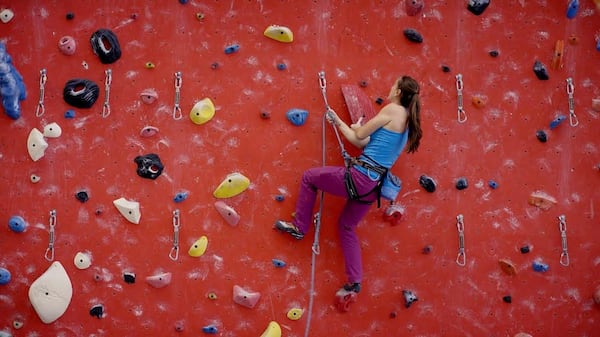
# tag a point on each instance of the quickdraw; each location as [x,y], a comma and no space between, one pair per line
[462,114]
[461,259]
[572,117]
[174,253]
[39,111]
[50,250]
[176,109]
[107,83]
[562,226]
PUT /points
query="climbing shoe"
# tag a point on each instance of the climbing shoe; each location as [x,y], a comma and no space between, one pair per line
[355,287]
[289,227]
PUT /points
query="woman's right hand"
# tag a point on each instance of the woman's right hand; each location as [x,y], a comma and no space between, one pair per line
[332,117]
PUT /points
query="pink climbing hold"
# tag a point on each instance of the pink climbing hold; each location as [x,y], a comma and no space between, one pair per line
[245,298]
[148,131]
[148,96]
[67,45]
[228,213]
[413,7]
[159,280]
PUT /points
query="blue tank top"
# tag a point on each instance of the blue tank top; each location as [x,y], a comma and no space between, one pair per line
[384,147]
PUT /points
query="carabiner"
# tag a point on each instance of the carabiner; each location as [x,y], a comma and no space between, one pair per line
[39,111]
[570,89]
[176,109]
[462,114]
[50,250]
[174,253]
[562,227]
[107,83]
[461,259]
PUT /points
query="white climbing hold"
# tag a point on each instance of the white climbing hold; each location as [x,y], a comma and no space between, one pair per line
[5,334]
[34,178]
[82,260]
[129,209]
[50,294]
[52,130]
[36,145]
[6,15]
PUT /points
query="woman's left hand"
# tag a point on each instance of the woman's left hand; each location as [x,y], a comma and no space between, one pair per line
[357,125]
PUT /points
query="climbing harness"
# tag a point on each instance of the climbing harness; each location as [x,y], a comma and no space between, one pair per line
[107,83]
[174,253]
[572,117]
[176,109]
[462,114]
[39,111]
[461,259]
[50,250]
[562,226]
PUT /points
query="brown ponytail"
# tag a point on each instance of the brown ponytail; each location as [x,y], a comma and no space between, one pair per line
[409,98]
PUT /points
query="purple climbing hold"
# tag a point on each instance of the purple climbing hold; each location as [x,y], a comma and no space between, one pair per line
[477,7]
[540,71]
[413,35]
[278,263]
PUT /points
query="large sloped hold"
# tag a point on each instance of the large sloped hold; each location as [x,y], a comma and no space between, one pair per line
[51,293]
[129,209]
[234,184]
[36,144]
[279,33]
[106,45]
[203,111]
[272,330]
[245,298]
[358,103]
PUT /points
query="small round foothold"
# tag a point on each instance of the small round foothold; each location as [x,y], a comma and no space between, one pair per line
[4,276]
[279,197]
[34,178]
[18,323]
[133,16]
[67,45]
[461,183]
[494,53]
[492,184]
[363,84]
[129,277]
[573,39]
[427,249]
[183,2]
[525,249]
[232,49]
[99,210]
[393,314]
[265,114]
[379,100]
[150,65]
[445,68]
[294,314]
[281,66]
[70,15]
[17,224]
[82,196]
[97,311]
[82,260]
[211,296]
[180,196]
[179,326]
[541,136]
[278,263]
[69,114]
[214,65]
[507,299]
[200,16]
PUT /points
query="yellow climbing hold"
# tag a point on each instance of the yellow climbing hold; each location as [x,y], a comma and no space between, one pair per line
[279,33]
[272,330]
[199,247]
[212,296]
[294,314]
[150,65]
[203,111]
[234,184]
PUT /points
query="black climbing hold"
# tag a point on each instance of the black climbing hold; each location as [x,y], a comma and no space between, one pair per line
[129,277]
[477,6]
[445,68]
[133,16]
[82,196]
[363,83]
[461,183]
[494,53]
[525,249]
[214,65]
[541,136]
[507,299]
[80,93]
[106,45]
[427,249]
[265,114]
[379,100]
[413,35]
[70,15]
[427,183]
[97,310]
[409,298]
[149,166]
[540,70]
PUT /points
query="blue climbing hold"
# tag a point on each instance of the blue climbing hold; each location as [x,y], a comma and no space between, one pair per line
[278,263]
[540,267]
[232,49]
[556,122]
[16,224]
[183,2]
[493,184]
[279,197]
[180,196]
[598,45]
[4,276]
[12,87]
[281,66]
[572,8]
[69,114]
[297,116]
[210,329]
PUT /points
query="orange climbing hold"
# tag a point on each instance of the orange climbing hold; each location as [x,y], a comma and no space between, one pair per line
[542,200]
[557,59]
[507,267]
[478,101]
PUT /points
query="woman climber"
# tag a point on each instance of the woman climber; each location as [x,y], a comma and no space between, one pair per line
[382,138]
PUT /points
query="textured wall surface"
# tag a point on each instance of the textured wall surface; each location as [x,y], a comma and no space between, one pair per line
[352,41]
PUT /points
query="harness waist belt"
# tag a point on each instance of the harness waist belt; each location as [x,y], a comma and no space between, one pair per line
[365,164]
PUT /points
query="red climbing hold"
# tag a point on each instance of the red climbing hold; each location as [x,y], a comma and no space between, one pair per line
[358,103]
[413,7]
[344,298]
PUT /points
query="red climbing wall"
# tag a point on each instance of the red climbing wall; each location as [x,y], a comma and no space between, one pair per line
[351,41]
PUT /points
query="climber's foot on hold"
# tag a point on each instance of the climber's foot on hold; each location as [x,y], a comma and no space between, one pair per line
[346,296]
[288,227]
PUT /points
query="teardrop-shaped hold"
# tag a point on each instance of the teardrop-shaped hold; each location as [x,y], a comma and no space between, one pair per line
[52,130]
[279,33]
[198,248]
[540,70]
[203,111]
[507,267]
[294,314]
[272,330]
[413,7]
[159,280]
[478,101]
[557,58]
[227,212]
[180,197]
[413,35]
[572,9]
[36,145]
[4,276]
[34,178]
[245,298]
[297,116]
[51,293]
[6,15]
[129,209]
[82,260]
[148,131]
[278,263]
[477,7]
[148,96]
[17,224]
[234,184]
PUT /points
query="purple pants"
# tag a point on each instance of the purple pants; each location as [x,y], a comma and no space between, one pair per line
[330,179]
